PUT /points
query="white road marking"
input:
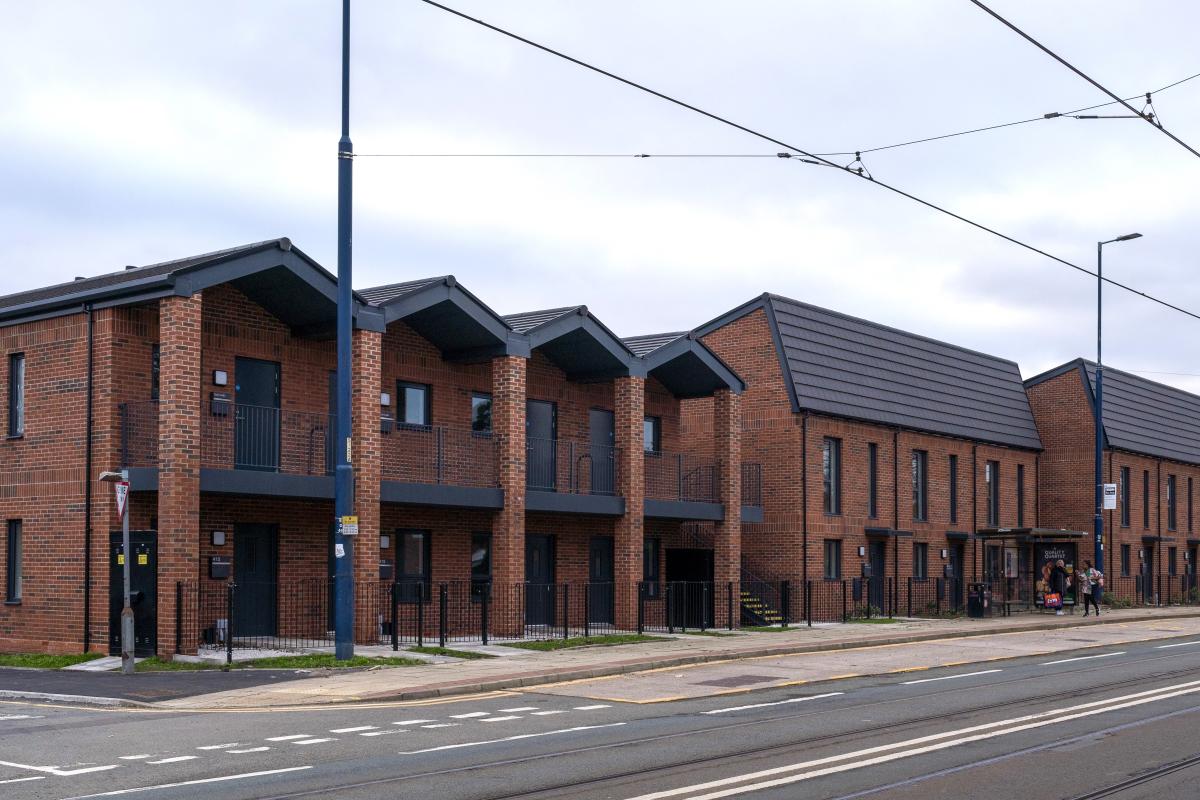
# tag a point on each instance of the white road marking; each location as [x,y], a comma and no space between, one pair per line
[938,741]
[289,738]
[249,750]
[172,760]
[548,713]
[414,721]
[354,730]
[511,738]
[951,677]
[225,746]
[767,705]
[62,773]
[591,708]
[135,758]
[21,716]
[519,708]
[1082,658]
[499,719]
[441,725]
[189,783]
[380,733]
[1160,647]
[314,741]
[22,780]
[472,715]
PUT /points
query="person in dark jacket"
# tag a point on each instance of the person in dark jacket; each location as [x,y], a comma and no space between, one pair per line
[1059,580]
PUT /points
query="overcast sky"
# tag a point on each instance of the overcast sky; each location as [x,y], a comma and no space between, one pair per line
[135,132]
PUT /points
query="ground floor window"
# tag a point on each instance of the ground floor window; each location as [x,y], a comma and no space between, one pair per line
[1172,565]
[481,565]
[920,561]
[12,563]
[833,559]
[413,571]
[1125,561]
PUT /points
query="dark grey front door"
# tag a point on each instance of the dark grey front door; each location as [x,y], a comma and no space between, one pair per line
[255,570]
[954,584]
[540,591]
[877,557]
[541,445]
[600,580]
[601,455]
[256,409]
[1149,579]
[143,591]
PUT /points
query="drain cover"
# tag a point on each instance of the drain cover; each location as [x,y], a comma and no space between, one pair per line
[738,680]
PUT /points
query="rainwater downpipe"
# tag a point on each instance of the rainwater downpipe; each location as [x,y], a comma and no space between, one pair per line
[87,488]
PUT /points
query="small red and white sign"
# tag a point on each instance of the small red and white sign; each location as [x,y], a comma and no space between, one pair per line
[122,488]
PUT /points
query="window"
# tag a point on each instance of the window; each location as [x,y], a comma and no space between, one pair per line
[1125,560]
[872,480]
[1020,495]
[920,485]
[991,480]
[1189,504]
[412,565]
[650,559]
[481,412]
[1171,516]
[652,434]
[12,561]
[920,561]
[833,559]
[16,394]
[413,403]
[155,371]
[1125,490]
[831,475]
[954,488]
[1172,558]
[1146,499]
[481,566]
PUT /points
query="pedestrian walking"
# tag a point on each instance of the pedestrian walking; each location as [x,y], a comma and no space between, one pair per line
[1092,584]
[1058,584]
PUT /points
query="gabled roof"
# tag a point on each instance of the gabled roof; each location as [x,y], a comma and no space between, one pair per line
[854,368]
[577,342]
[273,273]
[684,365]
[526,321]
[644,345]
[449,316]
[1140,415]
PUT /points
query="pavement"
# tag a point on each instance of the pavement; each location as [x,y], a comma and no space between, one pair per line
[797,655]
[1110,720]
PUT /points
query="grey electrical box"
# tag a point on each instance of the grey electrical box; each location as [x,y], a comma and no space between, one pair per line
[219,403]
[386,570]
[219,567]
[385,423]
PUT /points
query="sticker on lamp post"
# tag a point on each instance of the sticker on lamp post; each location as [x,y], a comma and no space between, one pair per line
[1110,496]
[349,525]
[122,489]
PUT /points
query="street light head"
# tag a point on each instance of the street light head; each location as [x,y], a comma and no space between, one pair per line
[1128,236]
[111,477]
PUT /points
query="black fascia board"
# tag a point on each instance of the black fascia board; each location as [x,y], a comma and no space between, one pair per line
[625,362]
[448,290]
[689,344]
[114,295]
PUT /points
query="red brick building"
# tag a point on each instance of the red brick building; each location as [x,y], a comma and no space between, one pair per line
[1151,452]
[881,451]
[496,458]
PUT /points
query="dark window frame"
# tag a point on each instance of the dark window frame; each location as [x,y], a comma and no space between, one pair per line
[408,580]
[1020,495]
[1172,503]
[155,371]
[953,467]
[833,547]
[14,573]
[1126,557]
[873,480]
[475,429]
[920,561]
[991,480]
[831,476]
[1126,504]
[920,485]
[1146,499]
[402,405]
[1189,504]
[1172,561]
[655,430]
[651,562]
[16,395]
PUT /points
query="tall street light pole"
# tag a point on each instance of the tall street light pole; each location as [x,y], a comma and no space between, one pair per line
[120,481]
[1099,521]
[343,476]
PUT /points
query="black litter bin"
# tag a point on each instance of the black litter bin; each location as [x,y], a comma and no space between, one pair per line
[979,600]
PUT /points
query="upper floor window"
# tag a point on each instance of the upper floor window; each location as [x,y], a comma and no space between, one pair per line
[481,412]
[16,394]
[1020,495]
[953,488]
[920,485]
[12,561]
[652,434]
[1189,504]
[1125,490]
[831,475]
[155,370]
[991,481]
[413,403]
[872,480]
[833,559]
[1146,499]
[1171,504]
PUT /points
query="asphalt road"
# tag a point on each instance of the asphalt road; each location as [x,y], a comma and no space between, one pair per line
[1115,722]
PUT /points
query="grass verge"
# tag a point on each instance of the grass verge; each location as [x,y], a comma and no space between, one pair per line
[446,651]
[588,641]
[44,661]
[157,664]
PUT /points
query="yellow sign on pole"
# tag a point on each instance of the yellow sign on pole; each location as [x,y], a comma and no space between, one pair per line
[349,525]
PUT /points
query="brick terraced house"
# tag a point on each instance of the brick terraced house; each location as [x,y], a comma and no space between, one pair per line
[1151,452]
[534,468]
[886,457]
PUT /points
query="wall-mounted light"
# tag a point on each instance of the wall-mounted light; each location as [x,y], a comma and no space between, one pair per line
[385,542]
[944,554]
[218,538]
[862,551]
[385,399]
[220,377]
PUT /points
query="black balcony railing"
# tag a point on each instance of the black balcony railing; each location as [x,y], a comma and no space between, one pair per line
[437,455]
[752,488]
[679,476]
[558,465]
[266,439]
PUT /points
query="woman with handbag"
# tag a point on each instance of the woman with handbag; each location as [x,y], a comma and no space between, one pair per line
[1092,582]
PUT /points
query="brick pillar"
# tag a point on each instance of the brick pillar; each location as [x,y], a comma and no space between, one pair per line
[630,402]
[106,439]
[178,457]
[727,539]
[508,530]
[366,380]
